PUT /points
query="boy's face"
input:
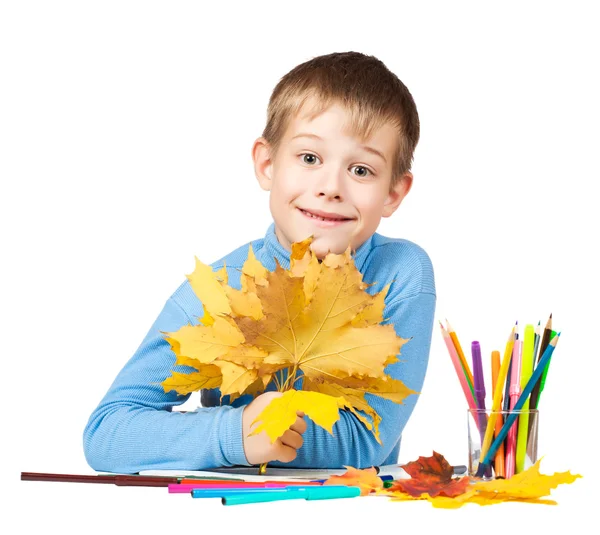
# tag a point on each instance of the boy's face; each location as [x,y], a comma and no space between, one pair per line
[327,183]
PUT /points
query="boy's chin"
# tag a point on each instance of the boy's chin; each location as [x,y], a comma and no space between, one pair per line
[322,247]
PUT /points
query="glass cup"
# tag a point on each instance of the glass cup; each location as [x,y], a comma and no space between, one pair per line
[516,453]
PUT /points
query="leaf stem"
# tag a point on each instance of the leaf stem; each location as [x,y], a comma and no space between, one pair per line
[277,383]
[291,377]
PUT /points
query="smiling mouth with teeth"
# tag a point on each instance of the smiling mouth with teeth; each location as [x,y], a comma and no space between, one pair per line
[337,219]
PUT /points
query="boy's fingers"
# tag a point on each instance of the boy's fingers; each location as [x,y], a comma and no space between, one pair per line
[285,454]
[292,439]
[299,425]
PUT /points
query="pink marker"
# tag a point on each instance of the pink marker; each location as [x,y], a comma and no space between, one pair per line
[178,488]
[514,392]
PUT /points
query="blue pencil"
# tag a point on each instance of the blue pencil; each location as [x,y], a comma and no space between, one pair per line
[484,465]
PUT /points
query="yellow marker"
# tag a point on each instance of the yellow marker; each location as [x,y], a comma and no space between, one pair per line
[497,401]
[526,371]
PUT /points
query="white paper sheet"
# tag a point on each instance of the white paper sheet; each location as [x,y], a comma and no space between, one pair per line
[250,473]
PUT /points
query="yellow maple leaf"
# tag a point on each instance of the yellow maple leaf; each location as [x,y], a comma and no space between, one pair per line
[280,413]
[184,383]
[315,321]
[529,484]
[207,285]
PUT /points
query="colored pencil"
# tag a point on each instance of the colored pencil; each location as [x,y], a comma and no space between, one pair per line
[499,458]
[515,388]
[527,364]
[535,394]
[458,369]
[499,374]
[461,356]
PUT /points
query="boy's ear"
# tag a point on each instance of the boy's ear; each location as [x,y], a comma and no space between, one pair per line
[397,194]
[263,165]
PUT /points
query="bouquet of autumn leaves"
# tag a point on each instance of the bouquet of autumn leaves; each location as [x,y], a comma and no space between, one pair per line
[315,321]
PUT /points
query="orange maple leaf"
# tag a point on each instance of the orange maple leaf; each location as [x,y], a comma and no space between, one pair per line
[366,478]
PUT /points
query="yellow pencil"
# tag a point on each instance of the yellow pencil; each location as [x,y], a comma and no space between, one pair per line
[526,371]
[497,401]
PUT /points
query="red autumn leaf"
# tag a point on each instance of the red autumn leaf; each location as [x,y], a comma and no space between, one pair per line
[415,487]
[434,468]
[432,476]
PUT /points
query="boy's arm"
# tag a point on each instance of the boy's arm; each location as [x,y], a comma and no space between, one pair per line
[133,428]
[352,444]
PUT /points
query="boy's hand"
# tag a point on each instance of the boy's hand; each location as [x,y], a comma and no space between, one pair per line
[258,448]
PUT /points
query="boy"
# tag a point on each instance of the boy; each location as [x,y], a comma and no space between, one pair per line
[335,156]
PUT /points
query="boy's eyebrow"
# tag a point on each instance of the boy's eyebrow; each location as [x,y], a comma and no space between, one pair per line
[365,147]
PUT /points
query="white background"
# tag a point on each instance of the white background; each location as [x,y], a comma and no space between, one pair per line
[125,137]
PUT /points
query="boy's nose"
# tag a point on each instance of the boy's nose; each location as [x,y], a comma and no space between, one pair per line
[330,186]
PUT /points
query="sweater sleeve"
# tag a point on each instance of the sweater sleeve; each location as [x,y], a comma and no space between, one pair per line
[352,444]
[133,428]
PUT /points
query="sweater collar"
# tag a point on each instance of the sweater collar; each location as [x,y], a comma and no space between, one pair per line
[274,250]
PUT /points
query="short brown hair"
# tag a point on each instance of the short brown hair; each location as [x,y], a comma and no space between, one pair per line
[363,84]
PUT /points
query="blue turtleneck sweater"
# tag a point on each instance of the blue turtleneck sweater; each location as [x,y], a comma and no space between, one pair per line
[133,428]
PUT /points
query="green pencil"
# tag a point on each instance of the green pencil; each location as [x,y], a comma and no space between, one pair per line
[535,393]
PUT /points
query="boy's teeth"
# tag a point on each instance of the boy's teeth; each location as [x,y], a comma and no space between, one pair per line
[321,218]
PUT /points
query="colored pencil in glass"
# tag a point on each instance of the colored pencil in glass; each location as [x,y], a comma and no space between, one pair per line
[535,394]
[515,389]
[462,378]
[478,381]
[479,385]
[499,373]
[463,361]
[506,402]
[527,364]
[508,424]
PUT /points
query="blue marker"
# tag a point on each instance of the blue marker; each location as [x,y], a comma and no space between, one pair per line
[326,492]
[220,493]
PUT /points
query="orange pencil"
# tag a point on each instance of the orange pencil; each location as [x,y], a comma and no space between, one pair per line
[499,458]
[461,357]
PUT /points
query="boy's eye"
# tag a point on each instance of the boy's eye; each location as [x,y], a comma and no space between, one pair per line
[309,158]
[364,172]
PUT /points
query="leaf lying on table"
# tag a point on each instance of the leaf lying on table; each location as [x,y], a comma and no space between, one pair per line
[315,321]
[430,475]
[367,479]
[431,479]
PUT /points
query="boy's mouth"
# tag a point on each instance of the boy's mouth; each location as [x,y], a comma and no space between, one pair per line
[318,215]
